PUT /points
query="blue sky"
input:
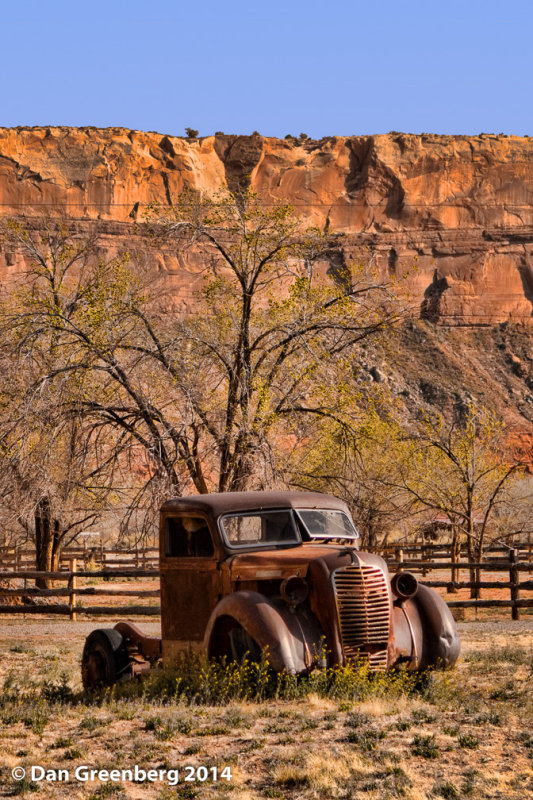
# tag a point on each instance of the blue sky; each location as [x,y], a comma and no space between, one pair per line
[315,67]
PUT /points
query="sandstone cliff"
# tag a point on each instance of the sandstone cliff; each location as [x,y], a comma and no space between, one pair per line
[460,207]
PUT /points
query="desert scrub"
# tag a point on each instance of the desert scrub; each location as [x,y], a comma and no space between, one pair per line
[446,790]
[421,716]
[357,719]
[92,723]
[328,777]
[33,715]
[22,689]
[450,692]
[22,648]
[23,787]
[468,741]
[62,741]
[235,719]
[499,655]
[425,746]
[167,726]
[366,740]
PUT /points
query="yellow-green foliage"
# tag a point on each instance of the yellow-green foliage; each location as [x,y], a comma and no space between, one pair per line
[201,681]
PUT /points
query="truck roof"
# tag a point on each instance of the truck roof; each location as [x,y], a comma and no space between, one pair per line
[230,502]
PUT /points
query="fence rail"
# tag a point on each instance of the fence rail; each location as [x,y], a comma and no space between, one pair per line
[432,551]
[511,568]
[19,558]
[74,592]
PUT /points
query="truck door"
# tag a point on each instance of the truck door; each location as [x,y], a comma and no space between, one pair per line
[190,582]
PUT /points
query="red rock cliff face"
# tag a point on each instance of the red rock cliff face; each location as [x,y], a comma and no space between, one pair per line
[460,207]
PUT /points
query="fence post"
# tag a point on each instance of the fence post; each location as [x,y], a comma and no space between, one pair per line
[72,585]
[425,557]
[514,580]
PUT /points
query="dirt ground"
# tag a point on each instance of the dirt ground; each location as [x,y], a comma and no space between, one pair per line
[468,735]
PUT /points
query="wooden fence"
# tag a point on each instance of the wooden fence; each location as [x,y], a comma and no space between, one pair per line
[511,567]
[99,557]
[510,570]
[74,593]
[435,552]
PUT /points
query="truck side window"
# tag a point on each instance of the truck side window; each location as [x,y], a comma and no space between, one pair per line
[187,537]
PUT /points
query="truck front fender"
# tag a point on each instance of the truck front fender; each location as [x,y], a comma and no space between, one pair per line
[292,637]
[425,632]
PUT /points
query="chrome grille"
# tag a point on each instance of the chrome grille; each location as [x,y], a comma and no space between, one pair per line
[364,609]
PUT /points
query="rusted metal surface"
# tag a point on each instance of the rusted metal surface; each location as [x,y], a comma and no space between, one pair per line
[216,504]
[364,608]
[291,637]
[143,651]
[295,599]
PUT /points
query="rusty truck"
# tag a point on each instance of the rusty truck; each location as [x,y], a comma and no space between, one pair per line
[245,572]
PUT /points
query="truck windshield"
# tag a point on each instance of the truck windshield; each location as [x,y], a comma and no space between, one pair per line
[261,527]
[323,524]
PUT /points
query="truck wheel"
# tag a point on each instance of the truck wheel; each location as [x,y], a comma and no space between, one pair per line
[243,646]
[105,659]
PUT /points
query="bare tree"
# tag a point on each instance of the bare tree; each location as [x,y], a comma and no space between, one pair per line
[460,470]
[208,395]
[56,466]
[54,480]
[366,476]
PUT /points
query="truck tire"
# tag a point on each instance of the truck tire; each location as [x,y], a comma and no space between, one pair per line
[105,659]
[243,646]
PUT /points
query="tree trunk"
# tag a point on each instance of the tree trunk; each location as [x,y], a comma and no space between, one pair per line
[474,591]
[478,555]
[372,538]
[45,537]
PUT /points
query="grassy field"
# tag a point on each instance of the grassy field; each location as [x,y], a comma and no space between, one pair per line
[467,733]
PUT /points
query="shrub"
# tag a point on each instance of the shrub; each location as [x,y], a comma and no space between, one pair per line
[468,741]
[165,728]
[446,790]
[425,746]
[367,740]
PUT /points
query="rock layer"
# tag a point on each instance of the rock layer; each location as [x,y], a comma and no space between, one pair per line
[454,212]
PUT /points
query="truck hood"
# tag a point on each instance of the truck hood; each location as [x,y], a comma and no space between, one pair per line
[282,563]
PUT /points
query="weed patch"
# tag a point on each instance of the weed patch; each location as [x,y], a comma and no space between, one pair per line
[468,742]
[425,746]
[499,655]
[367,740]
[446,790]
[165,728]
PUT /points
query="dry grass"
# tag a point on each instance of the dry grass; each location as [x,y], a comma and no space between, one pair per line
[468,734]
